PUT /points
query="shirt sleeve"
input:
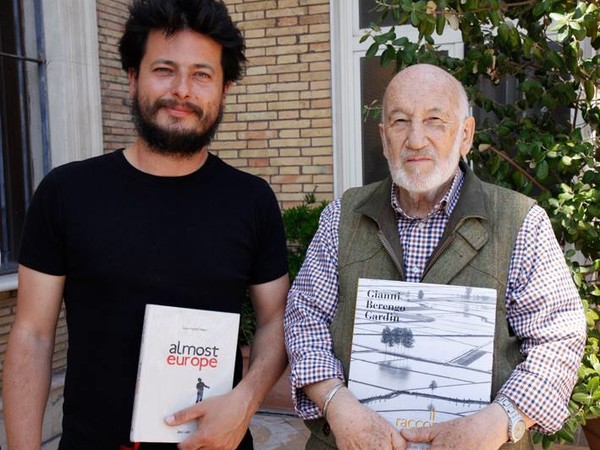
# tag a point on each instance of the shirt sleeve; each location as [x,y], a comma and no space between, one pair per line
[312,302]
[42,242]
[546,314]
[271,248]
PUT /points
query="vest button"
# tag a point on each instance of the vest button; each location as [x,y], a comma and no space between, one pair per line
[326,429]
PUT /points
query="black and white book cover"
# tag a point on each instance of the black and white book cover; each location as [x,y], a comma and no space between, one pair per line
[422,353]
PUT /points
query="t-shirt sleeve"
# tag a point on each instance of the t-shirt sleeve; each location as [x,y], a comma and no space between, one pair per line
[42,241]
[271,250]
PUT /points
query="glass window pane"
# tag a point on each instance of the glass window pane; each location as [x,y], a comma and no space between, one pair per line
[17,71]
[373,81]
[367,14]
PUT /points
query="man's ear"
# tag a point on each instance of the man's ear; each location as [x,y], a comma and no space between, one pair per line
[467,137]
[132,77]
[383,140]
[226,88]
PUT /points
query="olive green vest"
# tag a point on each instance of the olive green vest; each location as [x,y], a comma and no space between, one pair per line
[475,250]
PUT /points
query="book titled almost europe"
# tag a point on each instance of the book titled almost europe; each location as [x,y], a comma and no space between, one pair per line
[186,355]
[422,353]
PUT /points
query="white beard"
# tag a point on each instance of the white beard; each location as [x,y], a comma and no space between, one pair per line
[417,182]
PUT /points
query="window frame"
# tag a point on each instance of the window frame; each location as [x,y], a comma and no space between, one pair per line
[27,57]
[71,84]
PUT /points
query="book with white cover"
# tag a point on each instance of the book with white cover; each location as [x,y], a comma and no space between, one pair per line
[186,355]
[422,353]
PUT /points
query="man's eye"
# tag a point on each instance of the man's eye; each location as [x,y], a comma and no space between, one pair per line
[162,70]
[435,120]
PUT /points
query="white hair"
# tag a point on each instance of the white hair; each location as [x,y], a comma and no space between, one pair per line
[464,109]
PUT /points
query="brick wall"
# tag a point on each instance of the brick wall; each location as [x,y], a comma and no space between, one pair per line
[7,314]
[279,123]
[114,89]
[8,303]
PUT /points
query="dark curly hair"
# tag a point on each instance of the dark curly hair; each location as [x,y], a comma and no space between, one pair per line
[208,17]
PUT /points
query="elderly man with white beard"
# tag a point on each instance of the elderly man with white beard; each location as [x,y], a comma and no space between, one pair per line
[434,221]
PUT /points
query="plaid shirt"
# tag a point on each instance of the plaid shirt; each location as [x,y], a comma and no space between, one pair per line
[543,308]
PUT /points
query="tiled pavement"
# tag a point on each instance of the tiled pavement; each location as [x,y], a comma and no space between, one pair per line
[283,430]
[278,431]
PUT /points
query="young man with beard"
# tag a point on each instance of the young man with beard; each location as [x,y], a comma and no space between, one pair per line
[162,221]
[434,221]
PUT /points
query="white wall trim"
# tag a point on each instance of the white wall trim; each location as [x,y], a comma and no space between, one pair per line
[9,282]
[346,92]
[339,24]
[73,77]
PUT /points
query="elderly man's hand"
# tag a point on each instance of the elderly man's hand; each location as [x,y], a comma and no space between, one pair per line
[358,427]
[485,430]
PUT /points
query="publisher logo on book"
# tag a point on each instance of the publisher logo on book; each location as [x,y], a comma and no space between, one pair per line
[402,422]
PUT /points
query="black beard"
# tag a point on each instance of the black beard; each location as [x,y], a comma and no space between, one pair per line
[173,142]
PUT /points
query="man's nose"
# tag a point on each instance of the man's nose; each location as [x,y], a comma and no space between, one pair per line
[417,135]
[181,86]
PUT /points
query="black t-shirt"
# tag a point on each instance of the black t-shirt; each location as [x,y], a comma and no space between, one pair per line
[125,238]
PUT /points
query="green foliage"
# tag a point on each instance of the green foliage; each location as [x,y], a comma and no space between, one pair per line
[247,322]
[545,143]
[300,223]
